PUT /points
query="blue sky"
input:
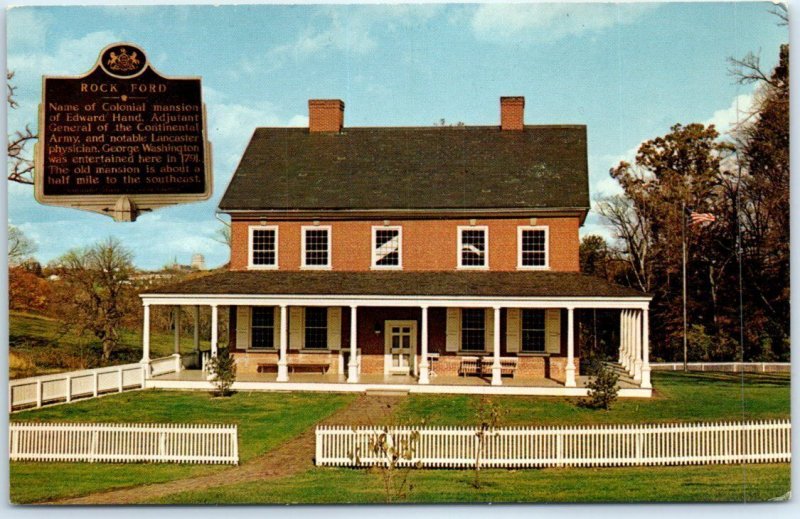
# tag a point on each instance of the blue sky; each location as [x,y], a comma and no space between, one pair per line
[627,71]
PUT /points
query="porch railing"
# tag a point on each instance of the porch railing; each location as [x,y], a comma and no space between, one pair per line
[734,367]
[590,446]
[65,387]
[123,443]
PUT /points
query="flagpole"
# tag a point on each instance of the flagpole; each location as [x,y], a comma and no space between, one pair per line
[683,241]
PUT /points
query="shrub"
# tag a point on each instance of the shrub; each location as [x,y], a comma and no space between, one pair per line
[223,372]
[602,389]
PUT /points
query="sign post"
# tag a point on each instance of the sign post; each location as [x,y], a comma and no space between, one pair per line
[122,139]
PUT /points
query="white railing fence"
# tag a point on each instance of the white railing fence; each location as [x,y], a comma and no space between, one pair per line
[124,443]
[73,385]
[164,365]
[731,367]
[589,446]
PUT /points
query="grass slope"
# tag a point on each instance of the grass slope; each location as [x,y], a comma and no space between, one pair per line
[40,345]
[715,483]
[678,397]
[265,421]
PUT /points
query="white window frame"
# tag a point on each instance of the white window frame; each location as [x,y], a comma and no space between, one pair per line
[275,324]
[461,229]
[546,230]
[399,229]
[250,231]
[303,230]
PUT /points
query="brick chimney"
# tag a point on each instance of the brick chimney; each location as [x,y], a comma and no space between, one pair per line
[325,115]
[512,113]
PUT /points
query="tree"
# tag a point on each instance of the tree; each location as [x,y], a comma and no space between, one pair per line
[100,292]
[20,247]
[20,164]
[602,388]
[26,290]
[223,372]
[594,255]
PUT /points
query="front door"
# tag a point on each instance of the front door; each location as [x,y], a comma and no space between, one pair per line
[401,347]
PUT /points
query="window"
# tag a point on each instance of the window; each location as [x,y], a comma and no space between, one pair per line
[472,249]
[473,329]
[386,247]
[533,330]
[316,247]
[263,247]
[532,245]
[262,327]
[316,328]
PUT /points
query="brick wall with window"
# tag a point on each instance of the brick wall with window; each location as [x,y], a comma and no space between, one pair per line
[426,245]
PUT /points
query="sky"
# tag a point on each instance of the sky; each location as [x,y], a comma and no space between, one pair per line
[627,71]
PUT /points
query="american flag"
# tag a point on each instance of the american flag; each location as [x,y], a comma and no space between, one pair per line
[699,218]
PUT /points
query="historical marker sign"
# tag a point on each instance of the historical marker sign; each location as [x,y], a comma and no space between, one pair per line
[122,139]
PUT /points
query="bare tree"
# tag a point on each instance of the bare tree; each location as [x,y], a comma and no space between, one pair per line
[100,290]
[20,163]
[20,247]
[635,235]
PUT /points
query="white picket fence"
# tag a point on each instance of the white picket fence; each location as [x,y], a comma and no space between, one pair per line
[589,446]
[124,443]
[72,385]
[729,367]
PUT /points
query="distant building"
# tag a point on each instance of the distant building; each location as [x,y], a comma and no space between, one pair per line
[198,261]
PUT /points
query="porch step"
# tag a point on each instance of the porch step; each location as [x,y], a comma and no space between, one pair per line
[375,391]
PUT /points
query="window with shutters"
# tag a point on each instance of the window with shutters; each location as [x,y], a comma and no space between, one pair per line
[262,327]
[533,331]
[316,252]
[473,247]
[473,329]
[263,247]
[316,332]
[532,248]
[387,247]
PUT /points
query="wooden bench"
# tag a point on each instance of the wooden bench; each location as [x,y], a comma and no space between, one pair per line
[296,367]
[483,366]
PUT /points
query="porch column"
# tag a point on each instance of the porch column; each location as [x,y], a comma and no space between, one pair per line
[424,367]
[621,341]
[645,349]
[631,342]
[283,365]
[625,339]
[214,331]
[570,369]
[497,370]
[637,363]
[146,341]
[177,353]
[352,364]
[196,328]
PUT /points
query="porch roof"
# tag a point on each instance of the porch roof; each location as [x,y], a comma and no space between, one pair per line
[455,284]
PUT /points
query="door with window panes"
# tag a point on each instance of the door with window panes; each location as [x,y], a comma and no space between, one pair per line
[401,347]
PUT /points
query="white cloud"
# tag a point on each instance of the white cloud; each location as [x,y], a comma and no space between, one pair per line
[27,28]
[514,23]
[70,57]
[727,119]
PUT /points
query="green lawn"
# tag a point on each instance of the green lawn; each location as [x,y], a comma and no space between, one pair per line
[40,345]
[677,397]
[719,483]
[268,419]
[265,420]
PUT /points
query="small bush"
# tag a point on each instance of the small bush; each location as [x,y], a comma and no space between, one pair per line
[223,372]
[602,389]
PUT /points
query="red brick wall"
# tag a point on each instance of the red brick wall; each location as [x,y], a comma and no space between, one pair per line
[325,115]
[512,113]
[351,243]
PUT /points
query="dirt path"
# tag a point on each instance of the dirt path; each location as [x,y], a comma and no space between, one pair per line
[292,457]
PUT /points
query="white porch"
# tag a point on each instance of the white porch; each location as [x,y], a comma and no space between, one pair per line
[633,348]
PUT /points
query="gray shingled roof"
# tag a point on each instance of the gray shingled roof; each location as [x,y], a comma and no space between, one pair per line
[488,284]
[472,167]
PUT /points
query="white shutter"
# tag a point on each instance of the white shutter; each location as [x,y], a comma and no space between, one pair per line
[276,333]
[242,327]
[552,330]
[512,330]
[334,328]
[453,329]
[488,324]
[296,327]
